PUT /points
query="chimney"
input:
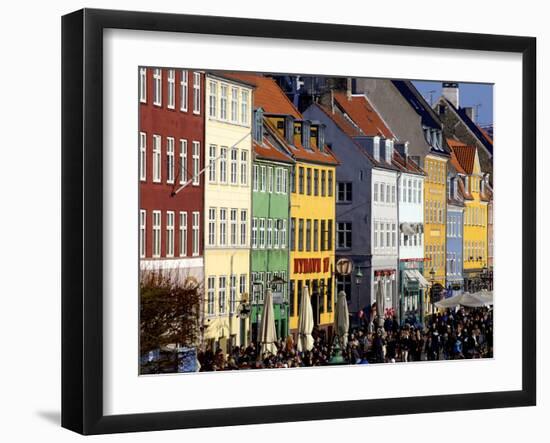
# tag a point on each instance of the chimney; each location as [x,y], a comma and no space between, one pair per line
[471,113]
[450,92]
[348,88]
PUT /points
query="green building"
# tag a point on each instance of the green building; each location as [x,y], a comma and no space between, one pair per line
[269,256]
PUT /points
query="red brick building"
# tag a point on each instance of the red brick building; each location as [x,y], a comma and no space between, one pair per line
[171,161]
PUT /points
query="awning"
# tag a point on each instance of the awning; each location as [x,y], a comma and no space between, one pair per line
[414,275]
[407,229]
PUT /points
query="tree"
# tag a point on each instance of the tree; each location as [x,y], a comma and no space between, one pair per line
[169,311]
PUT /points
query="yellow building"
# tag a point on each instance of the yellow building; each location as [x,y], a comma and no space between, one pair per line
[435,219]
[312,214]
[227,210]
[475,215]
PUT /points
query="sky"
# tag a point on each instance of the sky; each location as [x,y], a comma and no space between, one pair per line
[470,94]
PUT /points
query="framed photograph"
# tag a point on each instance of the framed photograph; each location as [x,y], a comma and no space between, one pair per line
[270,221]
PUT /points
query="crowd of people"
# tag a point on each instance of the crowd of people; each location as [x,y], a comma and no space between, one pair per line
[465,333]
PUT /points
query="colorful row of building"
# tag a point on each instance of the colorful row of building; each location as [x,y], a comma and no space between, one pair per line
[250,181]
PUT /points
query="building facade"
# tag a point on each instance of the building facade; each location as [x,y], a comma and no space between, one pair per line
[171,158]
[412,284]
[227,203]
[475,247]
[269,267]
[353,206]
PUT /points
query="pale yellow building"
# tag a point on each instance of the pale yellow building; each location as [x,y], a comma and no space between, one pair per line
[227,210]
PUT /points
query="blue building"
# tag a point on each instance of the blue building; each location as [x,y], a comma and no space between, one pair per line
[455,228]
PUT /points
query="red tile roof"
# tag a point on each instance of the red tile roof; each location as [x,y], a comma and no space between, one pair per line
[267,95]
[271,98]
[363,114]
[464,154]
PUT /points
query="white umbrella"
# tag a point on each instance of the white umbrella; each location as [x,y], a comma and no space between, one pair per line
[466,299]
[268,336]
[305,323]
[341,319]
[380,301]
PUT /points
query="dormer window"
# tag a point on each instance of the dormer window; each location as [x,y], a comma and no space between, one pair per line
[306,134]
[388,150]
[258,124]
[321,138]
[376,148]
[289,129]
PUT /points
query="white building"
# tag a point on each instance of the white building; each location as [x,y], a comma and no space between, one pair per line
[412,283]
[384,226]
[227,208]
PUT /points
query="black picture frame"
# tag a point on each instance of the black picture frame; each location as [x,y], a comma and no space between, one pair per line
[82,218]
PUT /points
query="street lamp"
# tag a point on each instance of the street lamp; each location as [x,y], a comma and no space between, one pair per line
[358,276]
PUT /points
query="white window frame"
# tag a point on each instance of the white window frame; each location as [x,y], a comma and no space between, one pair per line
[263,178]
[232,293]
[157,168]
[156,250]
[170,233]
[222,294]
[157,87]
[211,295]
[254,233]
[223,164]
[211,226]
[243,227]
[269,240]
[196,93]
[213,99]
[143,85]
[142,156]
[223,101]
[170,160]
[233,232]
[244,167]
[245,97]
[223,227]
[196,233]
[184,90]
[212,163]
[234,104]
[171,89]
[256,178]
[183,234]
[270,179]
[233,170]
[142,232]
[261,232]
[183,161]
[196,163]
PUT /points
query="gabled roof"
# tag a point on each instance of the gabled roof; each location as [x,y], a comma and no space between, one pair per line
[359,109]
[454,160]
[271,98]
[478,133]
[347,128]
[465,156]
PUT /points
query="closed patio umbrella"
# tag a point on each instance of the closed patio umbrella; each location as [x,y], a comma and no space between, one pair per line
[341,319]
[380,302]
[268,336]
[305,323]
